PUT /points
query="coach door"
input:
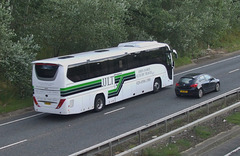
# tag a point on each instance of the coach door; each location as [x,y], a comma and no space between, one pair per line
[169,65]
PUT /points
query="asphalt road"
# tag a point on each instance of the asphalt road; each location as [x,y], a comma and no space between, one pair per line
[45,134]
[229,148]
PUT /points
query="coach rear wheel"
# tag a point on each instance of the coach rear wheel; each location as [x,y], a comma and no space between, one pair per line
[99,103]
[156,85]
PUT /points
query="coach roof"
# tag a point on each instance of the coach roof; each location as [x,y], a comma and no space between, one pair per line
[122,49]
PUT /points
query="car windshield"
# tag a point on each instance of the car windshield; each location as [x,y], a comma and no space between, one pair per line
[186,80]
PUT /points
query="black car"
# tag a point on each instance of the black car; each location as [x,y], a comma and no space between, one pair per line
[196,84]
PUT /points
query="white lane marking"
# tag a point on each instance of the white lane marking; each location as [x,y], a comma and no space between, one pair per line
[1,148]
[114,111]
[10,122]
[208,65]
[233,71]
[232,151]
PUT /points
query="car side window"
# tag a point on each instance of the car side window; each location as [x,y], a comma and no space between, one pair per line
[208,77]
[201,78]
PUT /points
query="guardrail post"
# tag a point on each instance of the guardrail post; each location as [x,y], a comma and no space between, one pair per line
[208,107]
[188,117]
[110,149]
[170,139]
[140,137]
[225,100]
[238,95]
[166,128]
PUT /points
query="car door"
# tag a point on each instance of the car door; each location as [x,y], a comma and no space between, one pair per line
[204,83]
[211,82]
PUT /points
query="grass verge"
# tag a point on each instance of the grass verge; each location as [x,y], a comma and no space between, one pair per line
[203,132]
[234,118]
[11,101]
[171,149]
[181,61]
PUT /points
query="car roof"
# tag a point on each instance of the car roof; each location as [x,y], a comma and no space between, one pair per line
[192,75]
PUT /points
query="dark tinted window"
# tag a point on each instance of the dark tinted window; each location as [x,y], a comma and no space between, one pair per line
[157,56]
[113,65]
[118,64]
[186,80]
[121,64]
[133,61]
[77,73]
[95,69]
[143,58]
[47,71]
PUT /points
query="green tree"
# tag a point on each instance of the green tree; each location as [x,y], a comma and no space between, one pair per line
[15,56]
[185,24]
[69,26]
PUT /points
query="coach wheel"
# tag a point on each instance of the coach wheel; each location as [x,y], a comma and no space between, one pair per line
[156,85]
[99,103]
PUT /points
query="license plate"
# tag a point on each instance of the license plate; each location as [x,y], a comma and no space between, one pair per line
[47,103]
[183,91]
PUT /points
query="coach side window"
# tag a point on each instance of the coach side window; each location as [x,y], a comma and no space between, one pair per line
[95,69]
[155,56]
[122,63]
[105,69]
[133,61]
[77,73]
[143,58]
[112,66]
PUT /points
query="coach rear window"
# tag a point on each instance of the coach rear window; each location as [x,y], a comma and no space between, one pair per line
[46,71]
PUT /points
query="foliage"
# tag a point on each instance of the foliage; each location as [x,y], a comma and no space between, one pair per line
[202,132]
[10,100]
[185,24]
[170,149]
[15,56]
[181,61]
[230,41]
[234,118]
[68,26]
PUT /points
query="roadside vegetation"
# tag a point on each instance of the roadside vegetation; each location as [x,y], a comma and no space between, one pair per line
[230,41]
[234,118]
[201,133]
[31,30]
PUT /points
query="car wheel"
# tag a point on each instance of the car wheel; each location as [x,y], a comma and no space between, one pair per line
[99,103]
[217,87]
[200,93]
[156,85]
[178,95]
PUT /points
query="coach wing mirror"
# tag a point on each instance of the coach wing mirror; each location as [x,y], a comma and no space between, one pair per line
[175,53]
